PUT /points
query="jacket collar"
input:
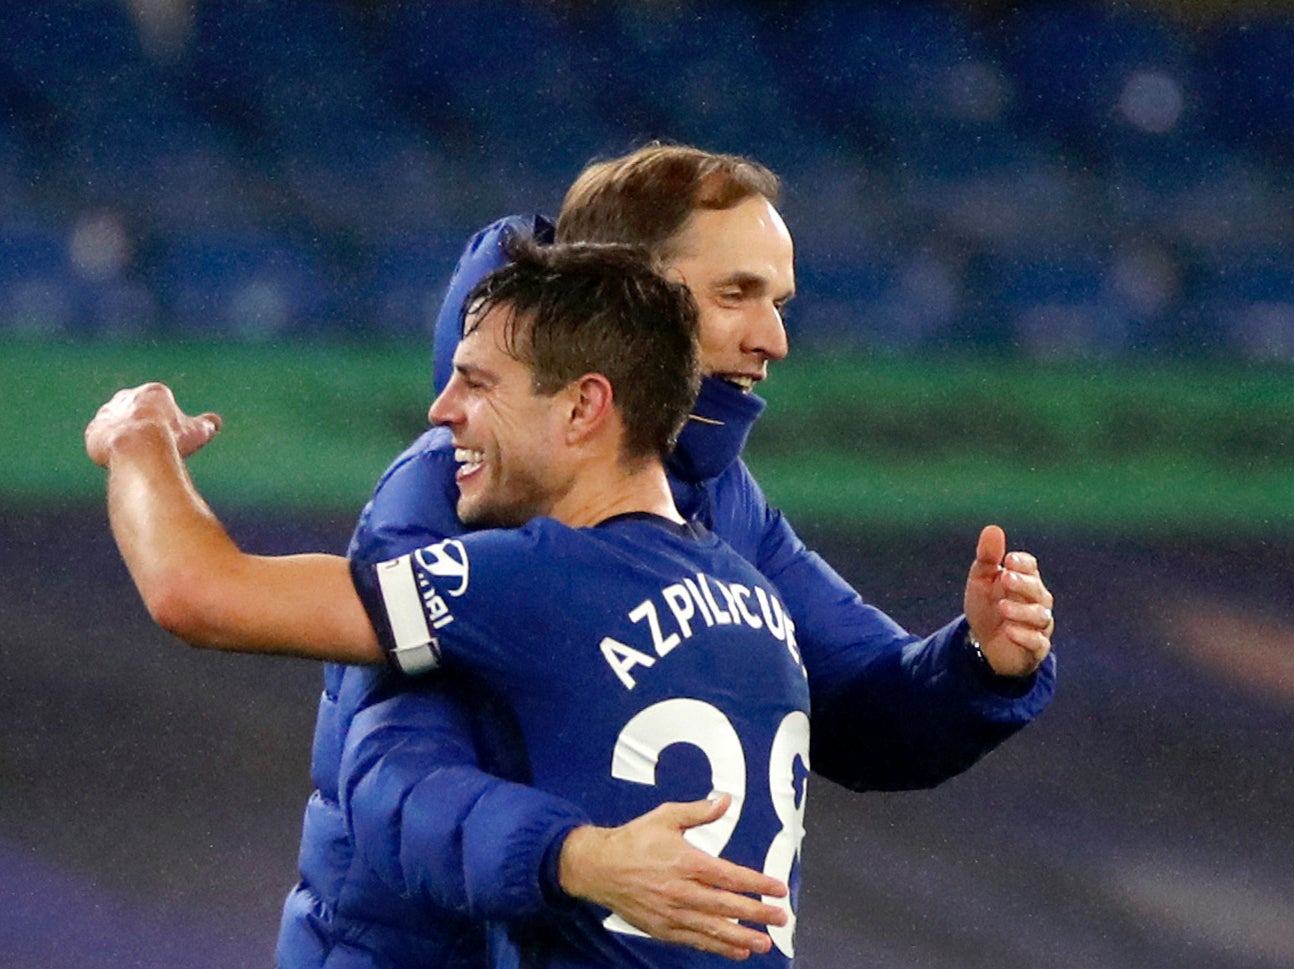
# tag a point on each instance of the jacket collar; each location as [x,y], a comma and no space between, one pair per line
[716,432]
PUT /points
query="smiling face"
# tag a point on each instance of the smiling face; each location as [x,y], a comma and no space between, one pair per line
[739,263]
[505,433]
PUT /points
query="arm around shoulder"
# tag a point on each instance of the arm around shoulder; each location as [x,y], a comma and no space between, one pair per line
[433,825]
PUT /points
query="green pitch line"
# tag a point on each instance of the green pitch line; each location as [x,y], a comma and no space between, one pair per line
[1145,448]
[305,426]
[867,442]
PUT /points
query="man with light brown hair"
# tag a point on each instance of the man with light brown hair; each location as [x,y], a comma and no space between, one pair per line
[891,710]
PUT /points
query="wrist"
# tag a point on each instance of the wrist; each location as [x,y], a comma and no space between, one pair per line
[578,854]
[134,439]
[977,653]
[1003,684]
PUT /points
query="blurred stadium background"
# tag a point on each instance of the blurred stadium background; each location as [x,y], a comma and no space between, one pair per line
[1045,274]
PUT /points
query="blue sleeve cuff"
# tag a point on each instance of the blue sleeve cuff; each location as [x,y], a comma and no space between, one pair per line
[1003,699]
[550,882]
[512,851]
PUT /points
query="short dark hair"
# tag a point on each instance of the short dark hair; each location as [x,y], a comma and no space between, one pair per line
[645,197]
[591,308]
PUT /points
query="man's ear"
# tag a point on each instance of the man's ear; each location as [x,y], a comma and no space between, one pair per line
[671,272]
[591,405]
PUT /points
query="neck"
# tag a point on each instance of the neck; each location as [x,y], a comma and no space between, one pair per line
[617,491]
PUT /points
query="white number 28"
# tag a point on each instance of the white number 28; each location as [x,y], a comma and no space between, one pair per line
[638,750]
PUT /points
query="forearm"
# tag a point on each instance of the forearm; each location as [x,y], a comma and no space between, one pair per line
[431,823]
[649,875]
[197,584]
[915,716]
[161,524]
[890,710]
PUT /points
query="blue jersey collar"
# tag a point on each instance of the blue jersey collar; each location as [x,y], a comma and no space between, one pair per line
[716,432]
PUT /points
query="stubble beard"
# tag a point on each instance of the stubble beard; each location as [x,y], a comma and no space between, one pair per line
[503,512]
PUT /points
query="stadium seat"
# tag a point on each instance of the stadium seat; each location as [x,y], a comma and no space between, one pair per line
[39,291]
[1058,304]
[17,162]
[244,284]
[1070,64]
[407,282]
[1250,298]
[866,68]
[1251,82]
[918,140]
[841,300]
[694,73]
[70,52]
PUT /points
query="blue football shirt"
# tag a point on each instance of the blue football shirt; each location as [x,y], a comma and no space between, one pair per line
[645,662]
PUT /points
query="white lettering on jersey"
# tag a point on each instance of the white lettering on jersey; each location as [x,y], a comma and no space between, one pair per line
[416,649]
[446,560]
[721,617]
[647,610]
[778,622]
[710,730]
[682,602]
[437,608]
[700,602]
[622,659]
[415,607]
[740,597]
[728,599]
[774,617]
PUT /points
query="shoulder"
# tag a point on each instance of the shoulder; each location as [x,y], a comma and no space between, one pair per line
[735,494]
[653,546]
[736,481]
[431,453]
[725,559]
[540,535]
[739,511]
[414,501]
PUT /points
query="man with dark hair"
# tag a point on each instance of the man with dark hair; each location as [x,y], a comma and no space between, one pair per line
[560,429]
[891,710]
[573,377]
[583,328]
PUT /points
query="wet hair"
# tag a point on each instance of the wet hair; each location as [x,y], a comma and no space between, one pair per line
[601,308]
[645,198]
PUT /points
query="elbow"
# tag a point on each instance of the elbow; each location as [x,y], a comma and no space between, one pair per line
[174,606]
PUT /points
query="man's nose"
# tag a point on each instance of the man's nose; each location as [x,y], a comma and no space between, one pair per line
[768,335]
[440,411]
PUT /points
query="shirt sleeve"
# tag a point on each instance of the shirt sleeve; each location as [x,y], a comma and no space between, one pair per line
[423,801]
[891,710]
[463,602]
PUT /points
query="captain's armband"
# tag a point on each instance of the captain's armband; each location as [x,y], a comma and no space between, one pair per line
[412,646]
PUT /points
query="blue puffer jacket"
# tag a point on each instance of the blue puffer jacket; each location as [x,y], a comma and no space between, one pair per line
[414,837]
